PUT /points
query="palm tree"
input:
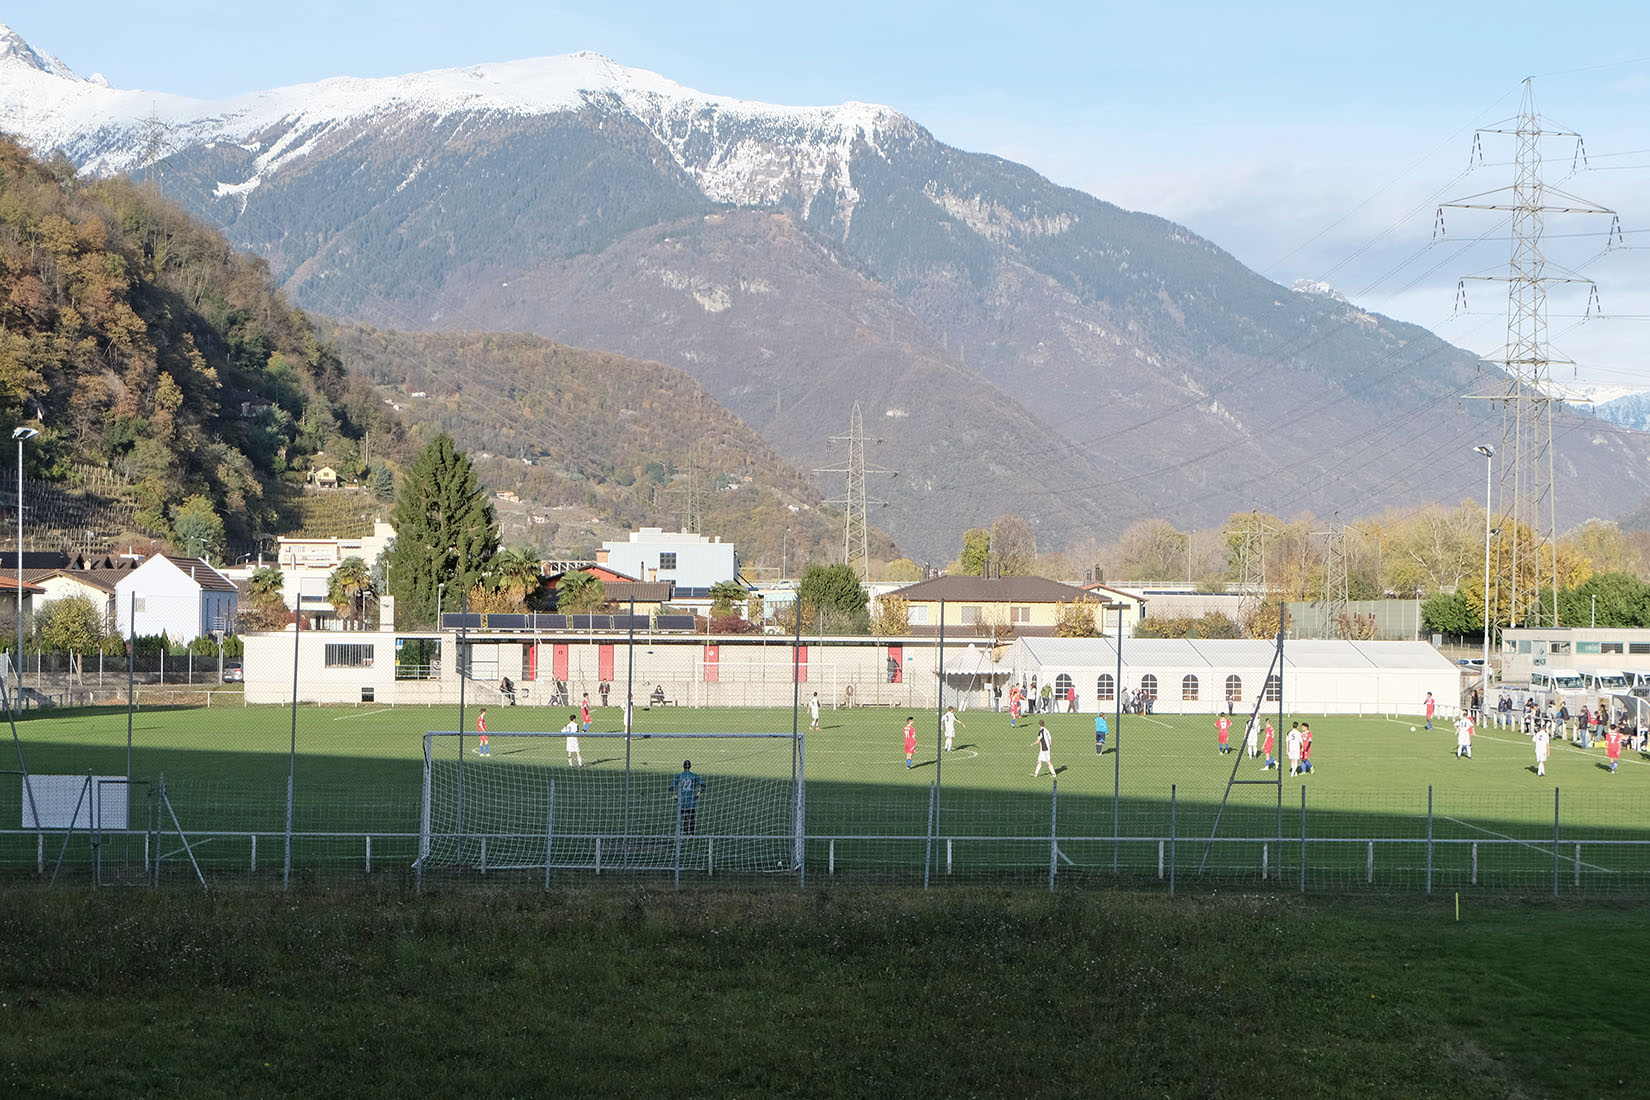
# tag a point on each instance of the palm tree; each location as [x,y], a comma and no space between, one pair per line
[348,587]
[265,609]
[517,572]
[580,593]
[726,597]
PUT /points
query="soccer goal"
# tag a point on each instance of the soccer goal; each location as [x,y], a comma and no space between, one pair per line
[628,807]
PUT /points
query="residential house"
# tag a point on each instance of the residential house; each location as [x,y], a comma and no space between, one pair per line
[1002,607]
[184,597]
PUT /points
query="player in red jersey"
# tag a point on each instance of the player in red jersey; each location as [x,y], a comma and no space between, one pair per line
[1223,733]
[481,732]
[1612,746]
[910,739]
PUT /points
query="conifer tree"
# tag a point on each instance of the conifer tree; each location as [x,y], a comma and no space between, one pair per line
[445,532]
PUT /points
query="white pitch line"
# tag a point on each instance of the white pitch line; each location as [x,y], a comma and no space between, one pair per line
[1528,844]
[363,714]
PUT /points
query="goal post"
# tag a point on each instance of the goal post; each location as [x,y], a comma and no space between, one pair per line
[531,805]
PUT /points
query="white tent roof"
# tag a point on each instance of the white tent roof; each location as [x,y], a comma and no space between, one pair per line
[971,662]
[1223,655]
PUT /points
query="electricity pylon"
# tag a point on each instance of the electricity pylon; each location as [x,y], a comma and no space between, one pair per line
[1527,489]
[856,543]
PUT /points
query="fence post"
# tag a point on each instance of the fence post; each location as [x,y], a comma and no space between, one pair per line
[1369,873]
[830,857]
[1172,808]
[1160,859]
[253,865]
[948,855]
[1053,824]
[1578,864]
[1475,863]
[1303,838]
[369,853]
[1265,852]
[1429,841]
[549,832]
[928,841]
[1555,842]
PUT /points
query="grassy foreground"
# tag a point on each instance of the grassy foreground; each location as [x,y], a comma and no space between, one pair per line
[828,993]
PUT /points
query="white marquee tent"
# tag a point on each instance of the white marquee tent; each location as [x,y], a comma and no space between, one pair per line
[1192,676]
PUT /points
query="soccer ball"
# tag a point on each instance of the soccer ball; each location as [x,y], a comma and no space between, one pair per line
[1412,729]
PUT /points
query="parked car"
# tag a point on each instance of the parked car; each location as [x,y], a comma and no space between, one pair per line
[233,674]
[1471,662]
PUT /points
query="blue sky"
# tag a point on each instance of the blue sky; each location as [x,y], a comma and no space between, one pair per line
[1310,140]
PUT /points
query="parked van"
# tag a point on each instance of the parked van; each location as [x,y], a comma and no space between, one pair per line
[1604,680]
[1560,680]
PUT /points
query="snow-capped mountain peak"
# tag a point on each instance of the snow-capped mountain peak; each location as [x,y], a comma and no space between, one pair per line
[727,145]
[16,52]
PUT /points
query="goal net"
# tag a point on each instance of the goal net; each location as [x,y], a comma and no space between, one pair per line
[529,805]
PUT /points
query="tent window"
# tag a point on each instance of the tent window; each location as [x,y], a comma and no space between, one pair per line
[1234,689]
[1062,684]
[1148,686]
[1188,689]
[1274,689]
[1103,688]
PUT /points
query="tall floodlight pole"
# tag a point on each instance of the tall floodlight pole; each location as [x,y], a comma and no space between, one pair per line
[1489,465]
[20,434]
[1117,732]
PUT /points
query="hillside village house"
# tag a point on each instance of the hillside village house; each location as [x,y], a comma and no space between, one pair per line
[1006,606]
[183,597]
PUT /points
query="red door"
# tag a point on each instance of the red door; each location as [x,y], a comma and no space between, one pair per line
[604,662]
[801,667]
[713,663]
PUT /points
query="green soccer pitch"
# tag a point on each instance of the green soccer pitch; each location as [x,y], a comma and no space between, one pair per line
[359,771]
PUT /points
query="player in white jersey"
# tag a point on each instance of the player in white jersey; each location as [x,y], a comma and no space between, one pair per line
[1463,737]
[949,724]
[1292,746]
[813,712]
[1543,743]
[572,732]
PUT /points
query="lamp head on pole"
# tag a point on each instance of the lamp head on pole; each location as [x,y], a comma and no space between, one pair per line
[21,434]
[1485,449]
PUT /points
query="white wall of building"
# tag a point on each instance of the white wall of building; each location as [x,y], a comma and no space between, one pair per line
[170,600]
[699,561]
